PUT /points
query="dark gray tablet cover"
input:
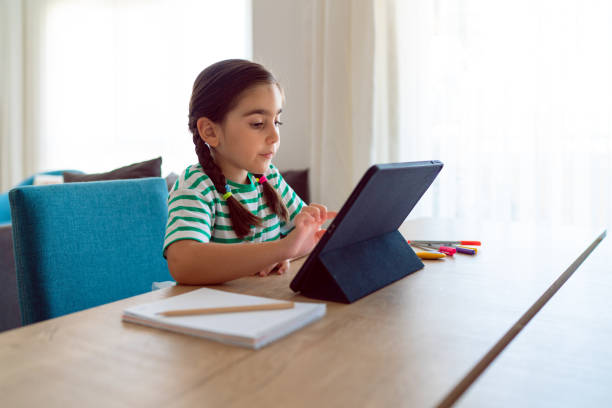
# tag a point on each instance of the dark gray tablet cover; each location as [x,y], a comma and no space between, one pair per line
[362,250]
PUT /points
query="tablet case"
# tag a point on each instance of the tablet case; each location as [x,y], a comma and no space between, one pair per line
[362,250]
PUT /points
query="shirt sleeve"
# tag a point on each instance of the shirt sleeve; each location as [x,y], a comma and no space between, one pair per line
[292,201]
[190,216]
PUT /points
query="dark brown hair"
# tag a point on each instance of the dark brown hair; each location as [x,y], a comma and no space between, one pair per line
[216,91]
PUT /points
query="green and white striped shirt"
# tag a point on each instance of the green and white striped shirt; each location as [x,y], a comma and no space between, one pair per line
[196,210]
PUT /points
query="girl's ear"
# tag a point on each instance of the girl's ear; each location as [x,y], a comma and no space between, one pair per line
[208,131]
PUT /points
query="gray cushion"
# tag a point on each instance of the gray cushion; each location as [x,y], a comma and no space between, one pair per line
[298,180]
[170,180]
[149,168]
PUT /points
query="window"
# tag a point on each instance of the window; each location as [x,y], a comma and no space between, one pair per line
[515,98]
[116,76]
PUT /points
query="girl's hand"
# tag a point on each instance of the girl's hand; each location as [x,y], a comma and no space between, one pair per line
[278,268]
[307,231]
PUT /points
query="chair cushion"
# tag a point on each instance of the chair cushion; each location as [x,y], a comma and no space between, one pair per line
[30,180]
[81,245]
[298,180]
[149,168]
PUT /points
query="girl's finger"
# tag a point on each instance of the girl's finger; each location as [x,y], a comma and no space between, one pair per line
[313,211]
[322,216]
[331,215]
[304,219]
[284,267]
[266,271]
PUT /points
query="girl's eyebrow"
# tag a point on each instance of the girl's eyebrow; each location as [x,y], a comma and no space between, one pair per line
[261,112]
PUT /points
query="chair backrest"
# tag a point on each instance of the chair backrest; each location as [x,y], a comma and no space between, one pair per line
[80,245]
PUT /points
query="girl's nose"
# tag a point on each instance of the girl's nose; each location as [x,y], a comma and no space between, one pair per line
[274,135]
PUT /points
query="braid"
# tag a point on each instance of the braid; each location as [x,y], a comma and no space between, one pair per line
[274,201]
[242,218]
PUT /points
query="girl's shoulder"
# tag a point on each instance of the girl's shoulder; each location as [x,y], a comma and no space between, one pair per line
[194,178]
[274,175]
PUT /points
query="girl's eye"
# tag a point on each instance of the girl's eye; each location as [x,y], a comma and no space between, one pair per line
[257,125]
[278,123]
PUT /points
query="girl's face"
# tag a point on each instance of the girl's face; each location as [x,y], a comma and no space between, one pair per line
[248,138]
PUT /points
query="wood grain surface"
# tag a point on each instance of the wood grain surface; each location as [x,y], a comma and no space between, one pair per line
[407,344]
[563,358]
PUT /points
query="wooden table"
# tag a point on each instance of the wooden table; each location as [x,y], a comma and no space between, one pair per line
[408,344]
[563,358]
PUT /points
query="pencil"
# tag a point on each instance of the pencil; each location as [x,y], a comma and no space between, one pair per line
[227,309]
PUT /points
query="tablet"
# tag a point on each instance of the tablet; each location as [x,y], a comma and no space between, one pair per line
[362,249]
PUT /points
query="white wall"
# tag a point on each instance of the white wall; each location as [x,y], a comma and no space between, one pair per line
[282,43]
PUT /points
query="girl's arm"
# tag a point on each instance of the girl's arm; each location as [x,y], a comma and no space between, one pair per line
[195,263]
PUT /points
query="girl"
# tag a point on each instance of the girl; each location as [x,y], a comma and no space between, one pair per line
[226,215]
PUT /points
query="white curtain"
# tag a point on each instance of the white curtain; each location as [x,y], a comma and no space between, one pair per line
[15,156]
[99,84]
[343,111]
[516,99]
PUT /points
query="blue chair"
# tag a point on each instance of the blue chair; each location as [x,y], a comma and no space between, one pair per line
[80,245]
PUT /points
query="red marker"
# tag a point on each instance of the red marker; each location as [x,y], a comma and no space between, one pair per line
[449,251]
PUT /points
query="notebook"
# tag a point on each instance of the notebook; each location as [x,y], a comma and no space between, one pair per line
[253,329]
